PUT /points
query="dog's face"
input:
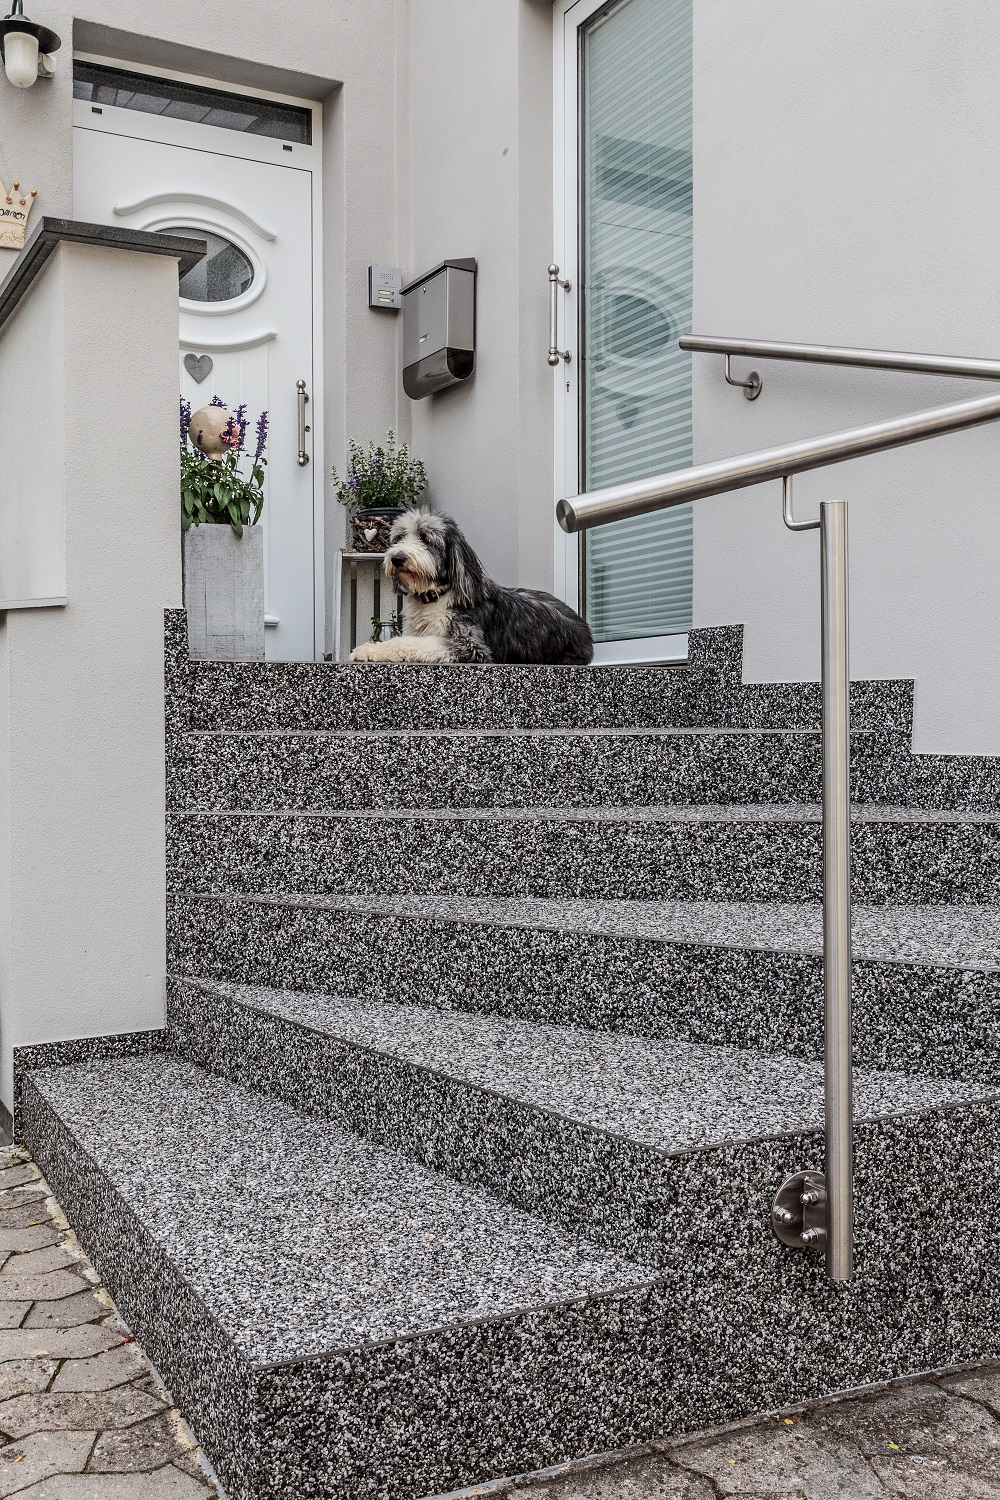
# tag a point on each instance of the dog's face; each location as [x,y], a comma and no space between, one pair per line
[428,552]
[416,558]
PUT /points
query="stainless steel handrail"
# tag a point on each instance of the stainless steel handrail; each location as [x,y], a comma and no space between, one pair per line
[798,1197]
[831,354]
[639,496]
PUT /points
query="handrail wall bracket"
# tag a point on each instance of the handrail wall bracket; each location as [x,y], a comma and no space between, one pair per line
[751,387]
[961,365]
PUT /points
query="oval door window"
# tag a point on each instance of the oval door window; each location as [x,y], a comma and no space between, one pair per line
[224,274]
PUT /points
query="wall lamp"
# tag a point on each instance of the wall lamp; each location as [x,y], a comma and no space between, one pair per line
[26,48]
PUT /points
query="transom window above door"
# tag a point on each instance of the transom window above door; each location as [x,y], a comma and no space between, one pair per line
[125,89]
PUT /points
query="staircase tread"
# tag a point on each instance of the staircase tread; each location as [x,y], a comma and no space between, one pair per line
[958,937]
[672,1096]
[300,1237]
[701,812]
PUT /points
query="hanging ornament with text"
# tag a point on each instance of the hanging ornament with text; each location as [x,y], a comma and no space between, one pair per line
[15,206]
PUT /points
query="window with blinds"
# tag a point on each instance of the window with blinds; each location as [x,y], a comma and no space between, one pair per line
[636,280]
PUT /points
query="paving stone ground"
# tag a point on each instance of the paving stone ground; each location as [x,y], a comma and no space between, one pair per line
[936,1438]
[82,1414]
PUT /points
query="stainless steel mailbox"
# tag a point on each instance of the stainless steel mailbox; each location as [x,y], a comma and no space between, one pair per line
[439,328]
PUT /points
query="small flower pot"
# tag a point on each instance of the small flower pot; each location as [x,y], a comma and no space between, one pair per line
[224,592]
[370,528]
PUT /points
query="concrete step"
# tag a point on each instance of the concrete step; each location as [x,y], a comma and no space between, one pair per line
[333,1319]
[590,1129]
[309,771]
[337,1320]
[684,853]
[254,696]
[927,978]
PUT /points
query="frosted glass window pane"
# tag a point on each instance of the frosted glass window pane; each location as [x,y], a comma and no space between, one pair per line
[637,286]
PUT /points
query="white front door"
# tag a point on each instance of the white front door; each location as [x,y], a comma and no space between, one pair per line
[623,238]
[247,313]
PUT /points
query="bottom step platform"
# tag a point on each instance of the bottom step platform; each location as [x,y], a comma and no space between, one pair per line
[339,1320]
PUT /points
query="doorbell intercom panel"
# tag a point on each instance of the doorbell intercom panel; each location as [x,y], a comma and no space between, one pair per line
[385,286]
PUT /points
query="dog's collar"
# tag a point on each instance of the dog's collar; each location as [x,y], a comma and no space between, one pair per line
[430,596]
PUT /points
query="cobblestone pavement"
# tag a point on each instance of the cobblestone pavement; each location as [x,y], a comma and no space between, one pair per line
[82,1415]
[929,1439]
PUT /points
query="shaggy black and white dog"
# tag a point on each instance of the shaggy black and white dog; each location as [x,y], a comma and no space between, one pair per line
[452,612]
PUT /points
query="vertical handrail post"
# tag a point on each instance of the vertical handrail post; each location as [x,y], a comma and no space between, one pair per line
[837,965]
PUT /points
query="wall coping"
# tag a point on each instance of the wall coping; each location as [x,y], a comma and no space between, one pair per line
[49,233]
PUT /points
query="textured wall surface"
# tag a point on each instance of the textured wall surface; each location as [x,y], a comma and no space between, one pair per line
[840,157]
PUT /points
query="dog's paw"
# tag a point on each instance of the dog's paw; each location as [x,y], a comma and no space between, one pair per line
[367,652]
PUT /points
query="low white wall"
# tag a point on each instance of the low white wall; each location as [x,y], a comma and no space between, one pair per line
[32,499]
[843,162]
[82,872]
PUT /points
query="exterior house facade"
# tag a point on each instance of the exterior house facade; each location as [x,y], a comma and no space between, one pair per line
[624,173]
[845,227]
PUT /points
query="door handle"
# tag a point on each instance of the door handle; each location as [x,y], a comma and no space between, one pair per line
[555,353]
[304,427]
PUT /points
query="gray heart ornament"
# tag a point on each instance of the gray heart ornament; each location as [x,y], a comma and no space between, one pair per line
[198,366]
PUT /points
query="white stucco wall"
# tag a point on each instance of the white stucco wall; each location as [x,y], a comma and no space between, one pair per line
[844,162]
[82,877]
[481,174]
[32,497]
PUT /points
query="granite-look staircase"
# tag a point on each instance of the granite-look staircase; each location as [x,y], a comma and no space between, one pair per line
[494,1023]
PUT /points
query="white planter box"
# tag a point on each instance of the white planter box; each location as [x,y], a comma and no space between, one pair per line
[224,592]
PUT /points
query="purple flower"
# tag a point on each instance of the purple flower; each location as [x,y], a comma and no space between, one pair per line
[216,401]
[261,437]
[185,420]
[241,425]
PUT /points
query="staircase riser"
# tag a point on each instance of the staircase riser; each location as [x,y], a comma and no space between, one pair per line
[305,772]
[599,859]
[309,695]
[316,772]
[741,1326]
[908,1017]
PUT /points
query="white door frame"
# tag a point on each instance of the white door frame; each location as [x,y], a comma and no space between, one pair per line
[568,17]
[219,141]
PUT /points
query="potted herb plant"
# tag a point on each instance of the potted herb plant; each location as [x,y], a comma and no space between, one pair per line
[222,496]
[380,483]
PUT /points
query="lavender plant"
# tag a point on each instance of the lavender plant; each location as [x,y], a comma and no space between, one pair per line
[214,491]
[380,476]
